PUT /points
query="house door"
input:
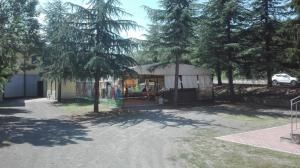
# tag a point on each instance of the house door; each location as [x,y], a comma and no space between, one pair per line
[40,88]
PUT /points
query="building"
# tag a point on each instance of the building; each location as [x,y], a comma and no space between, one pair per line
[71,89]
[68,89]
[28,84]
[194,84]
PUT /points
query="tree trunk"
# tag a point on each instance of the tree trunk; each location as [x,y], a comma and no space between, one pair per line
[219,74]
[229,59]
[1,96]
[24,78]
[269,76]
[96,98]
[230,81]
[97,79]
[176,81]
[59,91]
[269,61]
[267,39]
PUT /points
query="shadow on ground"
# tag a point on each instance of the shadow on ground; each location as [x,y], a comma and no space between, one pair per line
[201,117]
[57,132]
[126,119]
[11,111]
[78,102]
[40,132]
[13,103]
[249,110]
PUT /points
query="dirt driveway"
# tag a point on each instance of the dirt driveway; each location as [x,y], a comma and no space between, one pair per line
[35,133]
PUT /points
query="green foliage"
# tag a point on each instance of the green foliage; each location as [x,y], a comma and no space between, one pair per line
[18,36]
[220,37]
[8,42]
[208,45]
[290,35]
[267,16]
[58,51]
[85,42]
[173,28]
[255,38]
[98,27]
[173,25]
[150,50]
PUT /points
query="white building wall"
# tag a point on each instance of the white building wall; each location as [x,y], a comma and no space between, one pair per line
[51,90]
[68,90]
[189,82]
[15,86]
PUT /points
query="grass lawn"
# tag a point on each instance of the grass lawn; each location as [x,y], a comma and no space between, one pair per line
[207,152]
[83,106]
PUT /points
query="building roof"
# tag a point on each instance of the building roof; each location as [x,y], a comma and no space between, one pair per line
[169,69]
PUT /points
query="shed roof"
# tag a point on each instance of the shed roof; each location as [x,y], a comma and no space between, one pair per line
[169,69]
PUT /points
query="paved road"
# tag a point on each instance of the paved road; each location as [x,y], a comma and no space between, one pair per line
[36,134]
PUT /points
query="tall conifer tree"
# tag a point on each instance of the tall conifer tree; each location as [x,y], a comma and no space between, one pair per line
[267,15]
[57,65]
[101,51]
[176,20]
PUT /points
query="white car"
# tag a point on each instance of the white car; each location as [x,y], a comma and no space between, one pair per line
[284,79]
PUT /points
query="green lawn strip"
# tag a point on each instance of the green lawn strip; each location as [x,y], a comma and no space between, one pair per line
[210,152]
[256,121]
[83,106]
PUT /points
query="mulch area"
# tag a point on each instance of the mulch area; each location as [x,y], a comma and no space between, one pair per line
[277,96]
[269,138]
[260,90]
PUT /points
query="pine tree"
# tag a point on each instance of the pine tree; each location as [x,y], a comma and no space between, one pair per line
[220,32]
[176,20]
[57,65]
[210,38]
[19,36]
[233,18]
[150,50]
[266,16]
[31,44]
[290,36]
[296,6]
[8,44]
[102,50]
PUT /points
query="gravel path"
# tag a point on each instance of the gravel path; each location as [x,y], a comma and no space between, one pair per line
[36,134]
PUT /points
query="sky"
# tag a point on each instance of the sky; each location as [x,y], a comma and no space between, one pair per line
[134,7]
